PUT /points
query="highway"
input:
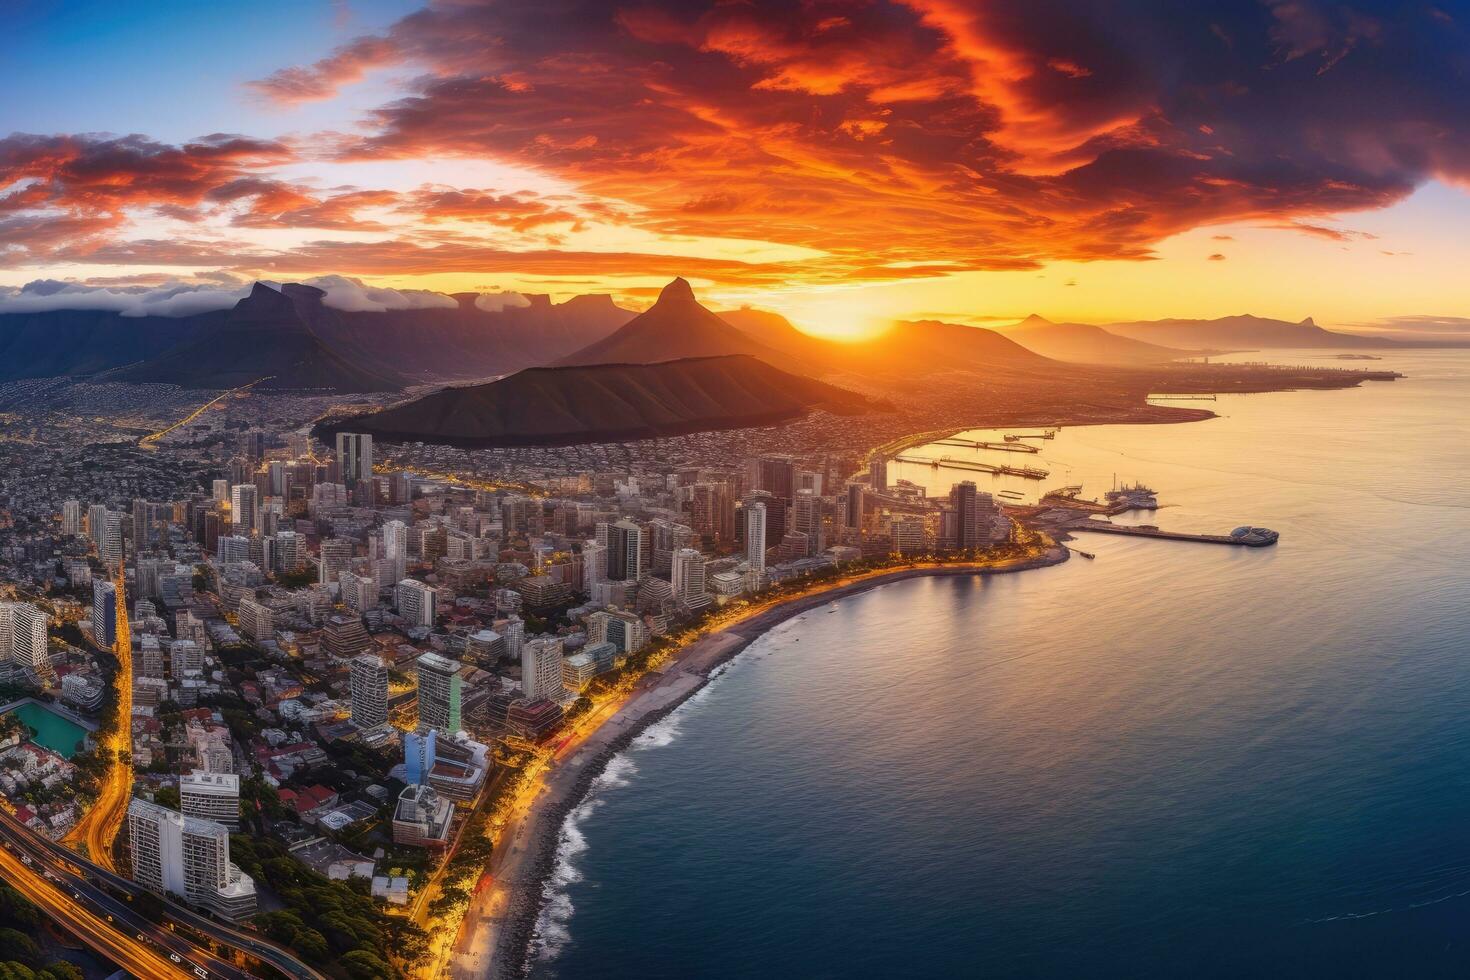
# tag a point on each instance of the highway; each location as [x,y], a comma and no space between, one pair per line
[108,925]
[67,864]
[100,827]
[150,441]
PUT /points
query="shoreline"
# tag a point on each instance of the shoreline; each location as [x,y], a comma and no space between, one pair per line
[521,882]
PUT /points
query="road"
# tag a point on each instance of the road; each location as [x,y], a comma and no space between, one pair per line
[100,827]
[151,440]
[108,925]
[76,871]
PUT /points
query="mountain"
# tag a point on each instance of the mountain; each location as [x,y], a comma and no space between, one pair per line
[919,347]
[674,327]
[266,335]
[59,343]
[1244,332]
[774,331]
[559,406]
[468,342]
[1085,343]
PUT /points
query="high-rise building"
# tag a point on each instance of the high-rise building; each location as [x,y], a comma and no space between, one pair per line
[395,540]
[110,547]
[104,612]
[220,491]
[688,578]
[755,536]
[369,692]
[211,796]
[336,558]
[71,518]
[853,515]
[173,854]
[624,551]
[439,693]
[541,669]
[878,473]
[420,752]
[243,509]
[416,602]
[777,476]
[96,524]
[806,519]
[256,621]
[354,457]
[973,516]
[23,637]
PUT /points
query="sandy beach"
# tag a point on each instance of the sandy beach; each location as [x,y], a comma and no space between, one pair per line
[495,937]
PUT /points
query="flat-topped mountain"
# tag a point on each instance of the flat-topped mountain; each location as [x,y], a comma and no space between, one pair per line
[266,335]
[607,402]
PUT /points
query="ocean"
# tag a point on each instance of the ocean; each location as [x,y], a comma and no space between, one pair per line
[1175,760]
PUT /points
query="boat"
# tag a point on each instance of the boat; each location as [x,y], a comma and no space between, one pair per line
[1136,497]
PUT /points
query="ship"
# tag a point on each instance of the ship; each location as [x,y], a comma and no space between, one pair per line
[1136,497]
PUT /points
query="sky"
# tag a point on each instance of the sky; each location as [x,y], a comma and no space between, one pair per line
[840,161]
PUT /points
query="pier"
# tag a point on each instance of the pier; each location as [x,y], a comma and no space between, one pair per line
[950,463]
[1102,527]
[1005,447]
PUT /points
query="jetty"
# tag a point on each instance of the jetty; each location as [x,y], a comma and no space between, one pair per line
[1246,540]
[950,463]
[1005,447]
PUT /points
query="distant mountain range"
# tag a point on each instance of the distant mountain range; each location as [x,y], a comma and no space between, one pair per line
[291,335]
[1085,343]
[264,337]
[607,402]
[1244,332]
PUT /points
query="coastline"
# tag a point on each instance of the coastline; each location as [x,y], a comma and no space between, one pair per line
[496,935]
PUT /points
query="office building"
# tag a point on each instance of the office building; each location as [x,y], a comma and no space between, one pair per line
[541,669]
[354,457]
[415,602]
[104,613]
[173,854]
[211,796]
[419,756]
[243,516]
[755,536]
[688,579]
[624,550]
[369,692]
[422,818]
[71,518]
[439,693]
[336,558]
[23,638]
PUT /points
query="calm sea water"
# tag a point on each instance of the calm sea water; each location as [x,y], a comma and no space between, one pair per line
[1176,760]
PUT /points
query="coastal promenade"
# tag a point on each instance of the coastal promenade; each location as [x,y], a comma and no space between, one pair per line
[495,935]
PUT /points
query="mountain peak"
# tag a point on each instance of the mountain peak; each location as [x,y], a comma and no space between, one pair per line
[1035,320]
[678,291]
[1309,322]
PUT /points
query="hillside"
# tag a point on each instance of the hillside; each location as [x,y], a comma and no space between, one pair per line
[469,342]
[1244,332]
[674,327]
[58,343]
[264,336]
[608,402]
[1084,343]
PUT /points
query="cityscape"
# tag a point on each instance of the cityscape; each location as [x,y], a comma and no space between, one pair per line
[568,490]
